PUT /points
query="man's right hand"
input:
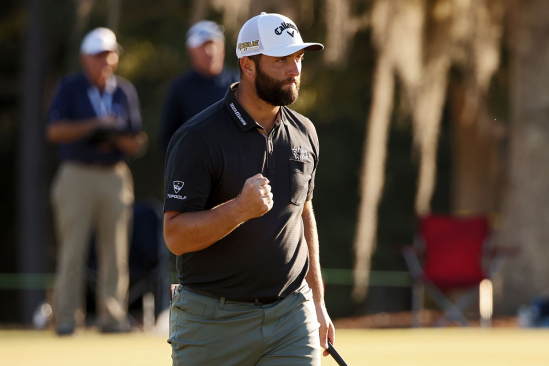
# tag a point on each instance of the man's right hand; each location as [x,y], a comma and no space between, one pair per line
[193,231]
[256,198]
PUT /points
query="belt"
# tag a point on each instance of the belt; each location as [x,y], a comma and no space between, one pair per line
[257,301]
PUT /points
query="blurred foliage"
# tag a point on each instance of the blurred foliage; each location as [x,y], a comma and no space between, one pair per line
[337,100]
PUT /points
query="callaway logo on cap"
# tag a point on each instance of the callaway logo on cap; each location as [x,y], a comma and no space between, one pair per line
[271,35]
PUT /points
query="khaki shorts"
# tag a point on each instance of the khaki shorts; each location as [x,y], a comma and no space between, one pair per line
[214,332]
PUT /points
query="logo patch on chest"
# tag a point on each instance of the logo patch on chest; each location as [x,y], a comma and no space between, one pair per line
[300,153]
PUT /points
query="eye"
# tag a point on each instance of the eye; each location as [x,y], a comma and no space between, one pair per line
[282,59]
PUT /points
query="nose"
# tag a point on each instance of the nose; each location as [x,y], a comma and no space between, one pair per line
[111,59]
[210,50]
[295,68]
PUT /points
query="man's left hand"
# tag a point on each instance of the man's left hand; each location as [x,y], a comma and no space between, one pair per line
[327,329]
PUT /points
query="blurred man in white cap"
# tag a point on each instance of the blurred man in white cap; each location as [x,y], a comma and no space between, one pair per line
[96,122]
[238,214]
[201,86]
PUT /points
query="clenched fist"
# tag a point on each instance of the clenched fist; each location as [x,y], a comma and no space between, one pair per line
[256,198]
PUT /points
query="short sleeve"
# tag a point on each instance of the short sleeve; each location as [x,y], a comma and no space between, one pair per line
[189,173]
[314,141]
[60,105]
[311,186]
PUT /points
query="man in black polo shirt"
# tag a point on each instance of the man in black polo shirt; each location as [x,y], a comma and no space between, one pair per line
[239,216]
[95,119]
[201,86]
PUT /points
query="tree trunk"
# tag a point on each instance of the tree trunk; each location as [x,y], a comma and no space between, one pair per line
[526,209]
[373,173]
[32,191]
[475,165]
[113,16]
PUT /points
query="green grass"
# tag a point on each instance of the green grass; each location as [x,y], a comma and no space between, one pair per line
[425,347]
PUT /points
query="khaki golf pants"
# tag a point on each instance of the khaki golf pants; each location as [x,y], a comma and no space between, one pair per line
[88,199]
[208,331]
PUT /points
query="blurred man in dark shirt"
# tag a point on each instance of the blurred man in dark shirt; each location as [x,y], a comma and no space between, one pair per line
[201,86]
[95,120]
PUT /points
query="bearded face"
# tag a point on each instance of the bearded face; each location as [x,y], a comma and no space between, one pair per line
[272,90]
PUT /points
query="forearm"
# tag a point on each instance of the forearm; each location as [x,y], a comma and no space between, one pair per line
[326,330]
[193,231]
[314,276]
[66,132]
[133,145]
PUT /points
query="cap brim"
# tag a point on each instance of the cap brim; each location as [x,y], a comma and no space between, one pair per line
[293,48]
[194,42]
[118,48]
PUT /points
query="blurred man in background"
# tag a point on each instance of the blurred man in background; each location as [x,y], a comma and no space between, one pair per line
[204,84]
[96,121]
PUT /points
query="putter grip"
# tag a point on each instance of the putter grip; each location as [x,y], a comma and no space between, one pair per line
[336,355]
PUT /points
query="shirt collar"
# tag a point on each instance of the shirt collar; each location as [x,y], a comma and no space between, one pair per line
[240,116]
[110,85]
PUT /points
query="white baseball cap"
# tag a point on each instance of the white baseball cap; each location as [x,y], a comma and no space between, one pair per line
[99,40]
[202,32]
[271,35]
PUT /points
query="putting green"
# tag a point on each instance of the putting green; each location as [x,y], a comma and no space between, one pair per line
[425,347]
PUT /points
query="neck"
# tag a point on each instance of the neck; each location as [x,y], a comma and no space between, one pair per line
[207,73]
[261,111]
[99,83]
[100,86]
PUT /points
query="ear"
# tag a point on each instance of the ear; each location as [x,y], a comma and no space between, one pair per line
[248,67]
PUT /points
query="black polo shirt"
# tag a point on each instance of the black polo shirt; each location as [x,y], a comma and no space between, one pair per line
[208,162]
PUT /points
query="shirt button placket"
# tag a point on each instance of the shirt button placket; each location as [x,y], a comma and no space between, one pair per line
[271,155]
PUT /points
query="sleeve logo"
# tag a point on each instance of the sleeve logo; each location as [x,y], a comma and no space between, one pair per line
[177,185]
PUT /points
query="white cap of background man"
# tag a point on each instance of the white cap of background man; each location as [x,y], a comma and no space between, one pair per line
[203,32]
[99,40]
[271,35]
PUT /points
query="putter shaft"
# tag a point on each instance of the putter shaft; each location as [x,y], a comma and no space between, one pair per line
[336,355]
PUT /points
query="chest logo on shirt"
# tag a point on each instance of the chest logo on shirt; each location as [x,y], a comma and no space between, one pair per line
[300,153]
[177,185]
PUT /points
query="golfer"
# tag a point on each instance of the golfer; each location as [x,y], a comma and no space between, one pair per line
[239,216]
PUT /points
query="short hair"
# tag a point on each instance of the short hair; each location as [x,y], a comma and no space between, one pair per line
[254,58]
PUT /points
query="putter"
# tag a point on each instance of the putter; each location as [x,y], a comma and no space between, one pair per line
[336,355]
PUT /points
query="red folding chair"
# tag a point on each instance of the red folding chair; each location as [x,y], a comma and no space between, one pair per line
[455,256]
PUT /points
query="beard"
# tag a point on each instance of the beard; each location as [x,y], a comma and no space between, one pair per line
[270,89]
